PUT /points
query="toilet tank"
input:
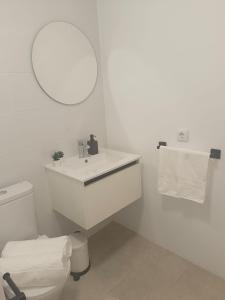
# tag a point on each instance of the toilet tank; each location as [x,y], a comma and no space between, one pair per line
[17,213]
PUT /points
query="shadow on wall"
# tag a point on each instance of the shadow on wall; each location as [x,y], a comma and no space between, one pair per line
[136,210]
[127,88]
[65,223]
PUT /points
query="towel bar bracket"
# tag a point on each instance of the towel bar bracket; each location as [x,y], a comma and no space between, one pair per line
[161,144]
[214,153]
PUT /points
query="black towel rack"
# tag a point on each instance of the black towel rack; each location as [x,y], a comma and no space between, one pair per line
[18,294]
[214,153]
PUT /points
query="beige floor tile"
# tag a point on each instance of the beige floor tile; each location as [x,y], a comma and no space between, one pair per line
[199,284]
[194,284]
[88,287]
[121,243]
[121,252]
[147,278]
[126,266]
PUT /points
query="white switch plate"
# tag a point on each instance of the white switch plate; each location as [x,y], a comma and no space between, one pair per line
[183,135]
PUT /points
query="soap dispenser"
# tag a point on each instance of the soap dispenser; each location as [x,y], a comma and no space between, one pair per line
[93,145]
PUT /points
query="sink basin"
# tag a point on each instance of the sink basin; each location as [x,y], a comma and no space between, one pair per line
[85,169]
[89,190]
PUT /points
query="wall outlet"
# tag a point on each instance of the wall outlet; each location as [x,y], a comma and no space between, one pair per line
[183,135]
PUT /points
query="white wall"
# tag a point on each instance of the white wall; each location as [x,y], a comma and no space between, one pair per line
[32,125]
[164,69]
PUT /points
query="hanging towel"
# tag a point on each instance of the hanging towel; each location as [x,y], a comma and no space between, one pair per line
[36,271]
[183,173]
[38,247]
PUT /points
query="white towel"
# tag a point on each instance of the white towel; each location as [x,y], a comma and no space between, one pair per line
[38,247]
[36,271]
[183,173]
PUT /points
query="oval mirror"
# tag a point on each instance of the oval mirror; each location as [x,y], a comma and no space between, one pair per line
[64,63]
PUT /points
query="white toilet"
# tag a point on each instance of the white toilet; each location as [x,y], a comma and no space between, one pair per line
[18,222]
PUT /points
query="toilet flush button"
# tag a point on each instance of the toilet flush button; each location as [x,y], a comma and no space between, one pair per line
[183,135]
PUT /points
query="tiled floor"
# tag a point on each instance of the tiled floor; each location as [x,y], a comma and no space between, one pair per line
[125,266]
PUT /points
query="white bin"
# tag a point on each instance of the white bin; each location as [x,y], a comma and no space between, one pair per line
[80,257]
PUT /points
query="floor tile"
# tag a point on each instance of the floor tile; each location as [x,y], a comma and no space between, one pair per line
[126,266]
[147,277]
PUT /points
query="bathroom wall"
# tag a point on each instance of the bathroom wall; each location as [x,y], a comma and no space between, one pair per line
[164,69]
[32,125]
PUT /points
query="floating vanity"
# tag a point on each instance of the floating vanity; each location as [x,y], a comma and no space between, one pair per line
[89,190]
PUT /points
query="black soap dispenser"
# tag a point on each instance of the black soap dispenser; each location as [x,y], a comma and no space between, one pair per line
[93,145]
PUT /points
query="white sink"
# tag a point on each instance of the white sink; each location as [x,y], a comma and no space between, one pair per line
[85,169]
[89,190]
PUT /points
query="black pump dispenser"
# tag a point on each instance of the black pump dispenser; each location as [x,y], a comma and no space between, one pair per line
[93,145]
